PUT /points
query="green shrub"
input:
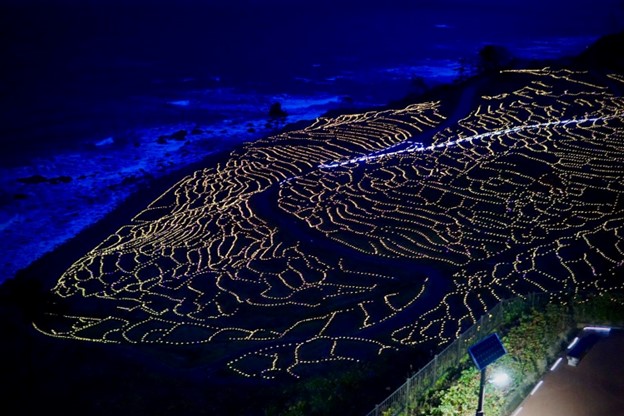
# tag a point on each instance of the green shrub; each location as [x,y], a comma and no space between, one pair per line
[605,308]
[529,344]
[532,339]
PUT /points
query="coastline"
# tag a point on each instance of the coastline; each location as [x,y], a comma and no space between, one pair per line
[58,200]
[18,224]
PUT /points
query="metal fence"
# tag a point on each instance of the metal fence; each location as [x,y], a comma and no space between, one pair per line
[403,400]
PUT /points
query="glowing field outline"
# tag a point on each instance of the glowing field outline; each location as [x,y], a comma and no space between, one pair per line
[203,262]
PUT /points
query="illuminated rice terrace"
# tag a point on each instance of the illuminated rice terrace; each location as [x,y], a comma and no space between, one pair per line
[349,238]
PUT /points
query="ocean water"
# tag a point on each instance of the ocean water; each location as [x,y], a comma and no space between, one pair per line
[93,92]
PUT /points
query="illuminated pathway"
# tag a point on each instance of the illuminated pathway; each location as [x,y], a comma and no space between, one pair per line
[594,387]
[281,263]
[418,147]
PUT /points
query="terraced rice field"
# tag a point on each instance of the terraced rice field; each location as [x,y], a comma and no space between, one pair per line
[369,232]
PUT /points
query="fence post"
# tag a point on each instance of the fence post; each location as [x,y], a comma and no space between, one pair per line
[481,331]
[407,396]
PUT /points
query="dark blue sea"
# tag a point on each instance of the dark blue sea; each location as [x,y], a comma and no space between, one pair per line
[92,92]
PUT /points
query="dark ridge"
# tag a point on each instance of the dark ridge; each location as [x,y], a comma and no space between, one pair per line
[606,53]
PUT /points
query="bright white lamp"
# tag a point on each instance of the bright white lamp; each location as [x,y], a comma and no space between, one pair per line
[500,379]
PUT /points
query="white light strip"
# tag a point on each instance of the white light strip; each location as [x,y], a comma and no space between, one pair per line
[554,366]
[518,410]
[418,147]
[597,328]
[537,386]
[573,343]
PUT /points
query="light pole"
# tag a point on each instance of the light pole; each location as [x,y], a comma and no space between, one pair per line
[481,393]
[484,353]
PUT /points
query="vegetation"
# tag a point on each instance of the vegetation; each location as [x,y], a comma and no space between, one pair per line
[530,343]
[607,309]
[533,338]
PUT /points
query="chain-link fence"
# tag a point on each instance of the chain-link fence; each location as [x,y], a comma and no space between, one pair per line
[403,400]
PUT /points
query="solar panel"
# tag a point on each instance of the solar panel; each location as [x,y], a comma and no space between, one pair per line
[486,351]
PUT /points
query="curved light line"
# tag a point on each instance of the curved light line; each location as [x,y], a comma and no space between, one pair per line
[418,147]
